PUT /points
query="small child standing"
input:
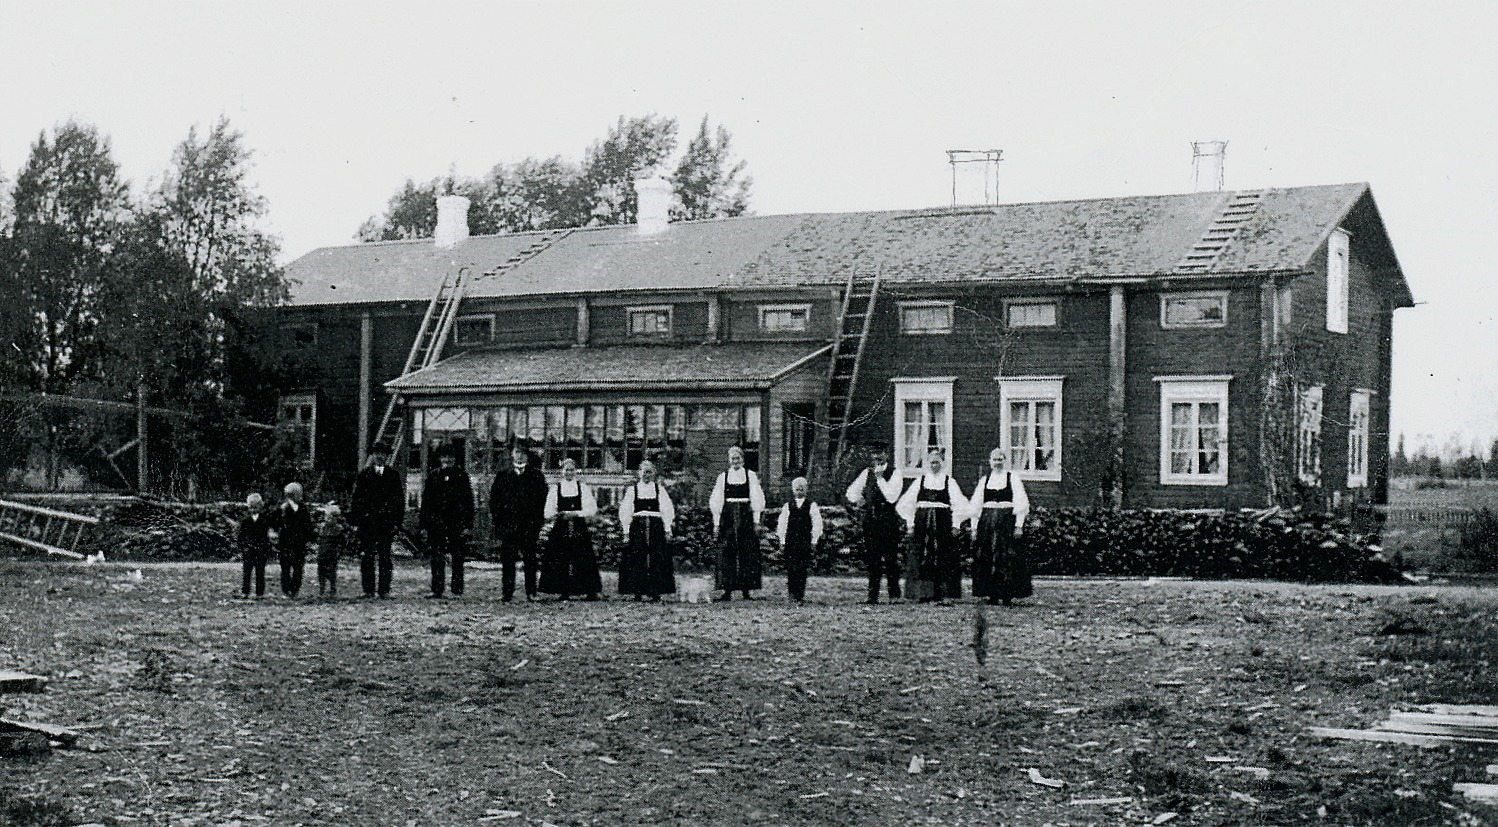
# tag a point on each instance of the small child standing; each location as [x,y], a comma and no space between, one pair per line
[332,535]
[799,530]
[254,546]
[293,526]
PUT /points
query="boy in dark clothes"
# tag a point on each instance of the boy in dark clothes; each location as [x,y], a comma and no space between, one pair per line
[254,545]
[293,525]
[332,536]
[799,530]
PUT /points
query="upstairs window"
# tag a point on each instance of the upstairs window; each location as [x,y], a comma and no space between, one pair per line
[1189,310]
[296,417]
[652,322]
[1357,439]
[1030,313]
[784,318]
[300,334]
[1308,436]
[1337,285]
[1193,430]
[926,318]
[474,330]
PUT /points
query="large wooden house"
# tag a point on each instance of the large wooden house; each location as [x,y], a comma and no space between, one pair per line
[1204,350]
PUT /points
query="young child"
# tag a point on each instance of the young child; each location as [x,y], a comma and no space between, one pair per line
[799,530]
[332,535]
[254,546]
[293,525]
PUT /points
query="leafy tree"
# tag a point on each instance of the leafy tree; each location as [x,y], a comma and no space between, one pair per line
[706,185]
[1399,463]
[633,147]
[72,209]
[542,194]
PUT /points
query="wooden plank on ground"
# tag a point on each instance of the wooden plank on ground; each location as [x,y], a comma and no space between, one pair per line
[1475,725]
[1395,737]
[56,733]
[20,682]
[1417,728]
[1462,709]
[1487,793]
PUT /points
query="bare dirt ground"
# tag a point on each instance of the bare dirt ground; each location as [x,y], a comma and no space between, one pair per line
[1183,698]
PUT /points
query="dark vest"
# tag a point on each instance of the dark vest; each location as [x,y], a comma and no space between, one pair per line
[878,507]
[735,490]
[998,495]
[651,504]
[574,503]
[932,495]
[798,525]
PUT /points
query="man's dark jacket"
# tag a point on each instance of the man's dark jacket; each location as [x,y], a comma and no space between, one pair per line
[517,502]
[379,502]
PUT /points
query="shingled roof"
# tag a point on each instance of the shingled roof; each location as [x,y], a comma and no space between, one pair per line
[1081,240]
[745,366]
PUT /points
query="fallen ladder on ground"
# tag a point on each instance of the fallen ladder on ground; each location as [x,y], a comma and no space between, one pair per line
[44,529]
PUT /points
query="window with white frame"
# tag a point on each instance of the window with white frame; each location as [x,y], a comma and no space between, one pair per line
[784,318]
[1030,313]
[923,420]
[1357,439]
[926,318]
[1030,425]
[1193,430]
[296,418]
[650,322]
[1188,310]
[474,330]
[1338,271]
[1308,435]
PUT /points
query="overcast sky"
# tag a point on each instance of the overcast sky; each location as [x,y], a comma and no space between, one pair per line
[836,106]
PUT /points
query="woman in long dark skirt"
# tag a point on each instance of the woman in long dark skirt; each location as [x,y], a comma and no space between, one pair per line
[646,515]
[932,506]
[569,565]
[999,506]
[737,503]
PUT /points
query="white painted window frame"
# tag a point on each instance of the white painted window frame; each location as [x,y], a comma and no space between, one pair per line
[921,389]
[1359,413]
[1166,298]
[1309,418]
[1194,390]
[1338,279]
[1037,301]
[766,309]
[1031,389]
[629,320]
[473,317]
[928,304]
[298,400]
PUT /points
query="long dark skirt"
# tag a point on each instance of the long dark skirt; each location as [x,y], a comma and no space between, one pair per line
[931,569]
[645,565]
[1000,571]
[568,564]
[738,550]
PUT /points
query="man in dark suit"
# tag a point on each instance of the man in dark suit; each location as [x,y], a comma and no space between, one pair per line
[293,524]
[378,506]
[517,503]
[447,518]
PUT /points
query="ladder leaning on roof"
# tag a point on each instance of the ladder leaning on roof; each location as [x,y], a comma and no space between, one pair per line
[436,326]
[856,317]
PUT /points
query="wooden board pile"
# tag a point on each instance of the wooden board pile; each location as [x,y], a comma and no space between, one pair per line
[1436,725]
[22,739]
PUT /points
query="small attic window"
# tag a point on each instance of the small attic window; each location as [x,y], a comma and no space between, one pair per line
[1188,310]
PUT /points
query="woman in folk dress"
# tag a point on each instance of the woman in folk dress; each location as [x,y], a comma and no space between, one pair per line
[736,503]
[569,565]
[998,509]
[646,516]
[931,507]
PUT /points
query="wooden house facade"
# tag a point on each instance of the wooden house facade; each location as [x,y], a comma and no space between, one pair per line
[1205,350]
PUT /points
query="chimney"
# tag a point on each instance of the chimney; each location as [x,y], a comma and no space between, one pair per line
[452,221]
[654,210]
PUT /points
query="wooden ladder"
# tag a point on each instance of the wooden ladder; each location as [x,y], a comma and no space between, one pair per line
[1239,210]
[436,327]
[856,317]
[44,529]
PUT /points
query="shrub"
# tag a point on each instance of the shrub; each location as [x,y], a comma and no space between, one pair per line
[1479,538]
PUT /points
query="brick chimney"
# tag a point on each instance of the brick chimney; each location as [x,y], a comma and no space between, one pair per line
[452,221]
[654,211]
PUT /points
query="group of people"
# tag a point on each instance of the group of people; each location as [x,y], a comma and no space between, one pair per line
[907,530]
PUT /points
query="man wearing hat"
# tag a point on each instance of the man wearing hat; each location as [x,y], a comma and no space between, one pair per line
[517,502]
[378,507]
[447,518]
